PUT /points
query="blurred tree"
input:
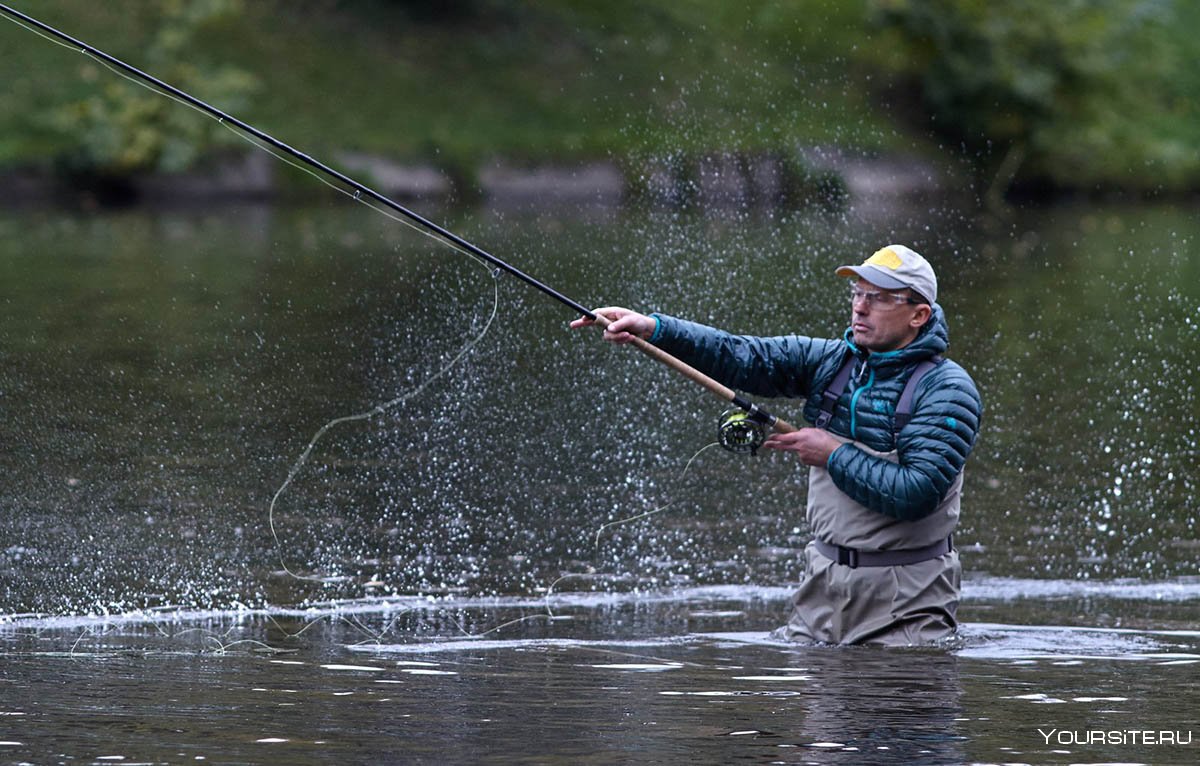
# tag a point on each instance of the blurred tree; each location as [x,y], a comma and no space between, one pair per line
[430,11]
[439,10]
[1062,93]
[123,128]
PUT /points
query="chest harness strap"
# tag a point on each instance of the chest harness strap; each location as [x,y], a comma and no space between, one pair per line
[852,557]
[841,380]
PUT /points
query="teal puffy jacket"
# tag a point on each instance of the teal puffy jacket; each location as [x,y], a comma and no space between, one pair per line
[932,448]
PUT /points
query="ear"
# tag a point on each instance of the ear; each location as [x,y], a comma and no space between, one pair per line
[921,316]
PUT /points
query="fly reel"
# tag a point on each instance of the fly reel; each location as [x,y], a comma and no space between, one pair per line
[739,432]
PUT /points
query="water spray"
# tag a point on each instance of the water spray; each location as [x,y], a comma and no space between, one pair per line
[741,432]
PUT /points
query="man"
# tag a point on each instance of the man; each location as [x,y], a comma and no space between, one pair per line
[883,494]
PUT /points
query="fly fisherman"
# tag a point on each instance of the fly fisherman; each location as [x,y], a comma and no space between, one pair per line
[886,463]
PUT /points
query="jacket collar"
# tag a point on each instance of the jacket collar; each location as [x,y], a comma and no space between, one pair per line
[933,339]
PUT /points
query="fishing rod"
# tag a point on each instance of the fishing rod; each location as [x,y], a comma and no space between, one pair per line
[738,431]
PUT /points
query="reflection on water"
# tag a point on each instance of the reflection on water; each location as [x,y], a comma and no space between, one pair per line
[357,682]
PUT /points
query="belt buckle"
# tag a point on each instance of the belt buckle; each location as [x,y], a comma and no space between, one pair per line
[848,557]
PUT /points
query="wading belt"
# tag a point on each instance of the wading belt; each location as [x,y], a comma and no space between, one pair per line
[903,406]
[855,558]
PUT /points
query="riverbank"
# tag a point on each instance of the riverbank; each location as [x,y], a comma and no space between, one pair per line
[825,176]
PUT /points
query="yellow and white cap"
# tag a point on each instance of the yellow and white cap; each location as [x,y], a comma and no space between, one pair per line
[894,268]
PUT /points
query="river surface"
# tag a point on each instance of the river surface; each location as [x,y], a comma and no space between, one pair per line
[526,549]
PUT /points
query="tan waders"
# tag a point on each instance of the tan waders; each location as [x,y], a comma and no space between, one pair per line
[898,581]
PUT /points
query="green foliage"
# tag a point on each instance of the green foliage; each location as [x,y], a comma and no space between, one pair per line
[1071,88]
[546,81]
[519,79]
[123,128]
[1079,93]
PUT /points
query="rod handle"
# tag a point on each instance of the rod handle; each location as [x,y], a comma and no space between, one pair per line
[720,390]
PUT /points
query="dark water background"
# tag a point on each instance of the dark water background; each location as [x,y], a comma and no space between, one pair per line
[162,371]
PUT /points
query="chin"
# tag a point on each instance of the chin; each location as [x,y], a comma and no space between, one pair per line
[868,344]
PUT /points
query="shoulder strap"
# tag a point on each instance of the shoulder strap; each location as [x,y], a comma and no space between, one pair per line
[835,389]
[904,406]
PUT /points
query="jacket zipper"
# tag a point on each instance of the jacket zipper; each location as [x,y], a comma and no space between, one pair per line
[854,403]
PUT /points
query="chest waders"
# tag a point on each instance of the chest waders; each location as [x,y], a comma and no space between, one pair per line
[871,578]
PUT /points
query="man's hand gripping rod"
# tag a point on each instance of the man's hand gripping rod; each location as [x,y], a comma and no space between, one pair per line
[752,411]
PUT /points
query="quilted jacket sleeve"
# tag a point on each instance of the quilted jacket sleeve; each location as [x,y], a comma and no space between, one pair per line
[932,450]
[782,365]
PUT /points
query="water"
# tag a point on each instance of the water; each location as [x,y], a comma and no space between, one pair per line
[163,370]
[662,679]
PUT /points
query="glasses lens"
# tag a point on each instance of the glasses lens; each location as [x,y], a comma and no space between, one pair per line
[877,298]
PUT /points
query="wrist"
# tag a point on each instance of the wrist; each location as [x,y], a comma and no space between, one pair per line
[654,330]
[829,458]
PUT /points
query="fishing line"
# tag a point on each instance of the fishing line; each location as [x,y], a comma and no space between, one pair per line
[223,648]
[86,632]
[379,409]
[662,508]
[737,434]
[44,36]
[753,411]
[375,636]
[258,144]
[382,408]
[549,613]
[373,412]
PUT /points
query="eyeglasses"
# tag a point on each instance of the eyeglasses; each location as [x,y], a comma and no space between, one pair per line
[878,298]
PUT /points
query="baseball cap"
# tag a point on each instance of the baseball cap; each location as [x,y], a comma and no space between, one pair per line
[894,268]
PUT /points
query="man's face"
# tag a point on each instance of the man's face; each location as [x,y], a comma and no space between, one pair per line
[884,320]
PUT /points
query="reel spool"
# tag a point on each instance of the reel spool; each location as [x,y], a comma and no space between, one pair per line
[739,432]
